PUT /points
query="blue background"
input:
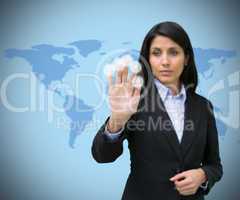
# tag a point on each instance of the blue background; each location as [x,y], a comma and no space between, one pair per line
[52,41]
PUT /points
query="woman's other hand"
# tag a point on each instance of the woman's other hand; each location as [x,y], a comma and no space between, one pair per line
[188,182]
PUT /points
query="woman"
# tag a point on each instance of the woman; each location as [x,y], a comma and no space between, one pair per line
[171,130]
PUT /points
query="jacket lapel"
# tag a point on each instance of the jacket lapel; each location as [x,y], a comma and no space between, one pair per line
[190,122]
[169,133]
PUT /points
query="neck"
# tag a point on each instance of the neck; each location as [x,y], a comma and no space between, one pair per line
[175,88]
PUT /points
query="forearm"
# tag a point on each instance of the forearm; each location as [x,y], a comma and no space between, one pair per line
[212,163]
[105,150]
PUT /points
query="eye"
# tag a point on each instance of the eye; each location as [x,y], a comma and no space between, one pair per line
[174,52]
[156,53]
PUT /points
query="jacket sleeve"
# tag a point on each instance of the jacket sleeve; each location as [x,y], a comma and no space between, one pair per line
[105,150]
[212,163]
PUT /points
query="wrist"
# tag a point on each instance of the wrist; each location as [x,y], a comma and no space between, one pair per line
[114,125]
[202,174]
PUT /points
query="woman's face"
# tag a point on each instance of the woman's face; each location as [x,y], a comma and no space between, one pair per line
[167,60]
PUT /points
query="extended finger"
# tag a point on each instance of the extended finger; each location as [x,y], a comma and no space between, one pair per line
[130,80]
[119,76]
[129,84]
[136,92]
[178,176]
[124,75]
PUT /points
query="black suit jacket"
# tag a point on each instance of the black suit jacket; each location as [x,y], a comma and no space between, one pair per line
[155,153]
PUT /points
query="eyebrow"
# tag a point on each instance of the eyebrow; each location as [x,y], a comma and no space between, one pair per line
[157,48]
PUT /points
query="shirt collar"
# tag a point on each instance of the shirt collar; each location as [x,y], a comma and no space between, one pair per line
[166,92]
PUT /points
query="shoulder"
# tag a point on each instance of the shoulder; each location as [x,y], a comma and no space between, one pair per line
[200,99]
[202,103]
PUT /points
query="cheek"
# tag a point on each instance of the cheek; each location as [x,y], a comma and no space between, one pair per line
[154,61]
[179,69]
[178,65]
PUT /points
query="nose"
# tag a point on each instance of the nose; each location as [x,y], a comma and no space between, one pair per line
[165,60]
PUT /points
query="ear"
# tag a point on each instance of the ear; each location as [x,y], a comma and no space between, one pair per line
[186,59]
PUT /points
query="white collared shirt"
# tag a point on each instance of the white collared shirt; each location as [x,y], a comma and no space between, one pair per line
[175,106]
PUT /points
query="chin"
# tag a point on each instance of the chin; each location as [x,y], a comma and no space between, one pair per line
[166,80]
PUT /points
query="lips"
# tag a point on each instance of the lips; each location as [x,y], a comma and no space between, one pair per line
[166,72]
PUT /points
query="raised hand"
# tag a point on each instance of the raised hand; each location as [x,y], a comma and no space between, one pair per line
[124,96]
